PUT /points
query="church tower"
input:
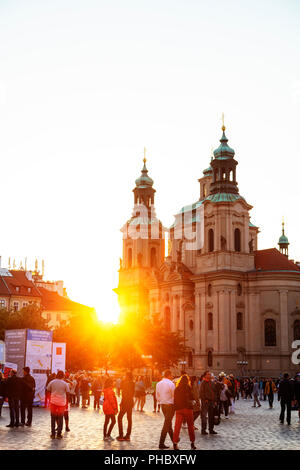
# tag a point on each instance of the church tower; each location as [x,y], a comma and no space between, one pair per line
[283,243]
[143,249]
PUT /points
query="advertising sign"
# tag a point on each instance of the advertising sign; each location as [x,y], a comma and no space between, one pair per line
[58,357]
[15,346]
[38,358]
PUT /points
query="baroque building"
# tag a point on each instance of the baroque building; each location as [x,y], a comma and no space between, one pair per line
[236,306]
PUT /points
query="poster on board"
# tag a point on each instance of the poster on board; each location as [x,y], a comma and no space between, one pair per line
[15,347]
[58,357]
[38,358]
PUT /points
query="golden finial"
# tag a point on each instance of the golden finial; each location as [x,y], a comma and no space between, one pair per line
[223,125]
[144,155]
[283,225]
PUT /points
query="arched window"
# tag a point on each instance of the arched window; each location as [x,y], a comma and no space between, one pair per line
[209,359]
[140,259]
[167,319]
[210,240]
[129,257]
[239,321]
[210,323]
[190,359]
[270,332]
[153,258]
[237,239]
[191,325]
[209,290]
[296,328]
[239,289]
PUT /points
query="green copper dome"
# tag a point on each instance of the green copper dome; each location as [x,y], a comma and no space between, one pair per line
[223,152]
[144,180]
[283,240]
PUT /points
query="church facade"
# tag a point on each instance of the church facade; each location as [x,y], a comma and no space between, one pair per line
[237,307]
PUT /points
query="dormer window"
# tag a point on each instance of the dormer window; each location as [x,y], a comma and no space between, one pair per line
[17,289]
[29,290]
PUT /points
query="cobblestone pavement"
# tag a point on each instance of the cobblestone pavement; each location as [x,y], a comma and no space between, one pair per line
[248,428]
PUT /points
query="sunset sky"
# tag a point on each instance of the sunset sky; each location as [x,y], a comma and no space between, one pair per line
[86,85]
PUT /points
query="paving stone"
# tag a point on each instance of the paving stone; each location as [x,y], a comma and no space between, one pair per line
[248,428]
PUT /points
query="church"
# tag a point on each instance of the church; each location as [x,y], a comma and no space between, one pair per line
[237,307]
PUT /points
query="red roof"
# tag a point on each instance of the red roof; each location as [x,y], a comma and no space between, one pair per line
[273,260]
[18,284]
[53,301]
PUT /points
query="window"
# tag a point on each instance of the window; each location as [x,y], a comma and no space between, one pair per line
[29,289]
[191,325]
[239,321]
[190,359]
[239,289]
[270,332]
[210,325]
[153,258]
[209,290]
[2,304]
[167,319]
[296,328]
[17,289]
[209,359]
[129,257]
[237,239]
[140,259]
[25,304]
[16,306]
[210,240]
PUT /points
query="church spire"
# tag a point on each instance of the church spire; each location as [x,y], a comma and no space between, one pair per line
[143,191]
[283,242]
[224,167]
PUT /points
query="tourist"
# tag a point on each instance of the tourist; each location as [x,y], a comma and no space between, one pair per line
[85,390]
[27,397]
[208,403]
[2,391]
[196,399]
[285,396]
[183,405]
[256,394]
[58,389]
[165,398]
[156,406]
[13,391]
[126,405]
[225,396]
[97,390]
[270,389]
[110,409]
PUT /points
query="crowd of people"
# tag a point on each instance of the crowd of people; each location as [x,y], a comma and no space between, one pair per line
[186,398]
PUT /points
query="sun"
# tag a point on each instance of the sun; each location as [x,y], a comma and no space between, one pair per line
[108,311]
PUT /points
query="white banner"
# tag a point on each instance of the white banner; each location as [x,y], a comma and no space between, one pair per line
[38,358]
[58,357]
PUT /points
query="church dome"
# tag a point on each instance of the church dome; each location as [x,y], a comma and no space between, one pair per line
[223,152]
[144,180]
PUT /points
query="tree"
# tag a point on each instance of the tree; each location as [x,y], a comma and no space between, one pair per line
[27,317]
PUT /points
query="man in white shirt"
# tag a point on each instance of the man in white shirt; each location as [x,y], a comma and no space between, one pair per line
[58,402]
[165,398]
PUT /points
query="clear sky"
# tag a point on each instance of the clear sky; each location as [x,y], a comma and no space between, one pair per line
[85,85]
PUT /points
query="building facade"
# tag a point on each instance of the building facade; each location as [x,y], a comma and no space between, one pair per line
[236,306]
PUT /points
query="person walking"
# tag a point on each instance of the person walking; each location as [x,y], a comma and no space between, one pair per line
[270,390]
[196,399]
[165,398]
[126,405]
[183,405]
[85,391]
[110,409]
[13,391]
[27,397]
[255,394]
[208,403]
[59,389]
[285,396]
[225,396]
